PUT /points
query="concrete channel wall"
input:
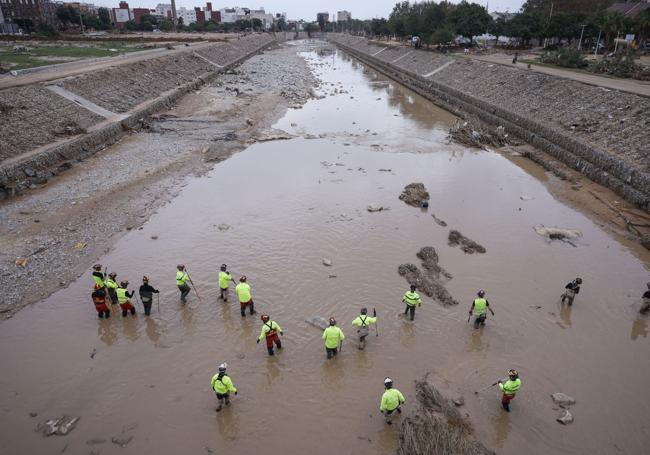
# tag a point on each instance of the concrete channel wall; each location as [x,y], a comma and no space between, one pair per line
[601,133]
[46,125]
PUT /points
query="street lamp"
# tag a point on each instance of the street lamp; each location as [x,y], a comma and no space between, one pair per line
[581,33]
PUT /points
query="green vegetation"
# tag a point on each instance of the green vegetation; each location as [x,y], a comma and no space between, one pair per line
[51,55]
[565,57]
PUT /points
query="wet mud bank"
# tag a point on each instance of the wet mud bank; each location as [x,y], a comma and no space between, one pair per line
[611,165]
[46,128]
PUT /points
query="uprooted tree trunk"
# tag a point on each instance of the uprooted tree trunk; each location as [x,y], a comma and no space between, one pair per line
[437,427]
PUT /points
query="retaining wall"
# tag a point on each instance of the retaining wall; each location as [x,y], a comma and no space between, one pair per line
[33,120]
[602,133]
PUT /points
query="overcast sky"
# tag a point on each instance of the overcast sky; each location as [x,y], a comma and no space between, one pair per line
[307,9]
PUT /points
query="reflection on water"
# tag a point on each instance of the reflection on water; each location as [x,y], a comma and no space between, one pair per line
[502,428]
[565,315]
[152,329]
[639,328]
[106,330]
[407,330]
[476,340]
[130,328]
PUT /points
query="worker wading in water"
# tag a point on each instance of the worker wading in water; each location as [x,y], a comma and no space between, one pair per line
[479,308]
[391,401]
[362,322]
[111,287]
[243,291]
[123,299]
[270,331]
[570,291]
[411,298]
[509,389]
[99,299]
[225,278]
[222,386]
[146,292]
[333,337]
[181,281]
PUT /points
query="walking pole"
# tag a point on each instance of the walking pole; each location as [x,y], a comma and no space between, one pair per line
[193,287]
[485,388]
[158,301]
[469,317]
[376,329]
[341,346]
[137,299]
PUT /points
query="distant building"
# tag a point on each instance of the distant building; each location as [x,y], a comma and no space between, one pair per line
[29,13]
[163,10]
[343,16]
[325,17]
[262,16]
[188,15]
[138,13]
[231,15]
[505,16]
[630,9]
[210,14]
[121,15]
[86,8]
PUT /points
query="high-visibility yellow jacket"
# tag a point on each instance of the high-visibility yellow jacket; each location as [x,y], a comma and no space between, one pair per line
[363,320]
[99,279]
[223,385]
[224,279]
[480,306]
[391,399]
[269,329]
[181,278]
[333,336]
[243,291]
[111,284]
[510,387]
[412,298]
[122,295]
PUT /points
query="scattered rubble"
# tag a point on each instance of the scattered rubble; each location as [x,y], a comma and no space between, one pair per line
[414,194]
[376,208]
[429,258]
[327,262]
[438,221]
[426,284]
[467,245]
[558,233]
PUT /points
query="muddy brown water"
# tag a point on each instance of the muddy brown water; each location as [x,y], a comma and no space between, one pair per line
[289,204]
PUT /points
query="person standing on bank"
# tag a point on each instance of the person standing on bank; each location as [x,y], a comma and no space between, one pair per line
[146,292]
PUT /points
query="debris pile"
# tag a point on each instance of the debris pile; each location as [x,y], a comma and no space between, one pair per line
[437,427]
[61,426]
[474,134]
[430,281]
[468,246]
[415,194]
[564,401]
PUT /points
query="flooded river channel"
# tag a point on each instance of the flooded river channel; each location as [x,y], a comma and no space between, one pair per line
[273,212]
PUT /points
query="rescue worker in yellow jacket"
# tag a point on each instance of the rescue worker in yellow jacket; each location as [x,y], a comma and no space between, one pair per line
[123,299]
[509,389]
[391,401]
[181,281]
[479,308]
[411,298]
[224,282]
[243,291]
[98,276]
[270,331]
[333,337]
[222,386]
[362,322]
[111,287]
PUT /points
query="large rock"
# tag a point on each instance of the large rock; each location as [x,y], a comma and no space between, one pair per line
[565,418]
[414,194]
[562,399]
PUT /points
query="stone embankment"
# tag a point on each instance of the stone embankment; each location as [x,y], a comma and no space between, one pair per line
[46,125]
[600,132]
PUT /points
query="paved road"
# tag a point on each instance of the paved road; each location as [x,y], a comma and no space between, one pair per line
[86,66]
[626,85]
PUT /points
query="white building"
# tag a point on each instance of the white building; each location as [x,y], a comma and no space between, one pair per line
[164,10]
[343,16]
[188,15]
[265,18]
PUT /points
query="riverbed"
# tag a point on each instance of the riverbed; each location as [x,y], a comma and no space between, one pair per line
[273,213]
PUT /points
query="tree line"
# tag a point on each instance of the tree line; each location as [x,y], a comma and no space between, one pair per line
[549,21]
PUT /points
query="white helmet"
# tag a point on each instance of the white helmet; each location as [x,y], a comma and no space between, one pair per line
[388,382]
[223,366]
